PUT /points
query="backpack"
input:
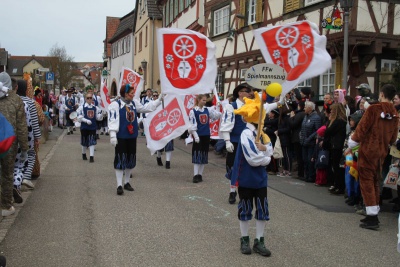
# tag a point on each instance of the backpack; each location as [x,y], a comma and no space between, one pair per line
[7,136]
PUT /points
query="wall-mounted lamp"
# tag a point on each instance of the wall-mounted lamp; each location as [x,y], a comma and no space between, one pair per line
[231,34]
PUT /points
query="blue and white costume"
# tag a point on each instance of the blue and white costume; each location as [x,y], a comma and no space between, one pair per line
[93,114]
[123,124]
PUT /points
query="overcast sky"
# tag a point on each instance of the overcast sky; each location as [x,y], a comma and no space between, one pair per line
[32,27]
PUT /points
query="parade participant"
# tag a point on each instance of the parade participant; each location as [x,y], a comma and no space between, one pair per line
[23,168]
[169,147]
[144,100]
[12,108]
[88,115]
[199,118]
[123,129]
[251,175]
[70,106]
[38,97]
[61,109]
[232,126]
[377,129]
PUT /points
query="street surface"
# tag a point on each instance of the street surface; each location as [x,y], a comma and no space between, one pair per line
[74,217]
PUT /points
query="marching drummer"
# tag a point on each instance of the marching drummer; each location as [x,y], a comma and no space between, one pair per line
[71,105]
[87,115]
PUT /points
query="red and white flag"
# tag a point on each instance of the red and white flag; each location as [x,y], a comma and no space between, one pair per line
[105,96]
[298,48]
[165,124]
[214,124]
[187,62]
[133,78]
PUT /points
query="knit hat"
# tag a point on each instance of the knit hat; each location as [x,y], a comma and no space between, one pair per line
[356,117]
[321,131]
[306,91]
[276,111]
[5,79]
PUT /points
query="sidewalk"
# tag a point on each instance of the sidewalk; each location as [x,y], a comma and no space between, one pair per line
[45,152]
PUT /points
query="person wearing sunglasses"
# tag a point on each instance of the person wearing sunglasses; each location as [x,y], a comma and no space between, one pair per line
[88,115]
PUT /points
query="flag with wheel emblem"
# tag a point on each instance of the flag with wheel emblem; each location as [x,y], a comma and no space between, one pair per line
[105,96]
[187,62]
[297,47]
[165,124]
[214,124]
[133,78]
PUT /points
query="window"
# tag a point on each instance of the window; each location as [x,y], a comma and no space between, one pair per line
[171,11]
[14,70]
[311,2]
[306,83]
[145,40]
[140,41]
[123,46]
[291,5]
[181,5]
[327,80]
[388,65]
[219,82]
[187,3]
[128,44]
[221,20]
[252,11]
[242,73]
[135,44]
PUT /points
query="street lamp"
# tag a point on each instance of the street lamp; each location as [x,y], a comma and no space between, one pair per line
[144,67]
[346,5]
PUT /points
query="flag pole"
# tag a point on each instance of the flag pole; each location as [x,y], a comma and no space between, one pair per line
[259,127]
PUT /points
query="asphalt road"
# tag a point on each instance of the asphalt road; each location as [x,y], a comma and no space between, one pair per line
[74,217]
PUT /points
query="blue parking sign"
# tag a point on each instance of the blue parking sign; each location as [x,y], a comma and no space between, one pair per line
[49,76]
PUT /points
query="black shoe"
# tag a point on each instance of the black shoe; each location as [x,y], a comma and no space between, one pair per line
[337,191]
[34,177]
[168,164]
[196,179]
[73,129]
[159,162]
[332,188]
[259,247]
[120,191]
[91,159]
[17,196]
[366,219]
[310,181]
[370,222]
[72,132]
[84,157]
[200,178]
[68,133]
[107,133]
[101,133]
[245,245]
[128,187]
[232,197]
[97,136]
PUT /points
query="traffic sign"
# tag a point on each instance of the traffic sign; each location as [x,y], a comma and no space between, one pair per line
[49,77]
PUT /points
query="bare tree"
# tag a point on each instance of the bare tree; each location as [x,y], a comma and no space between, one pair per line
[62,64]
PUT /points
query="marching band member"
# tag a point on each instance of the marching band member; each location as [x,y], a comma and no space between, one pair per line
[61,109]
[199,118]
[123,129]
[88,115]
[70,105]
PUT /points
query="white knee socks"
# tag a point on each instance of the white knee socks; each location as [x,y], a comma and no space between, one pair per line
[260,226]
[128,175]
[91,151]
[83,150]
[168,155]
[196,168]
[119,174]
[201,169]
[244,228]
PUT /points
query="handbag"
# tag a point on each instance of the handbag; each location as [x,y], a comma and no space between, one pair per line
[392,178]
[322,161]
[278,153]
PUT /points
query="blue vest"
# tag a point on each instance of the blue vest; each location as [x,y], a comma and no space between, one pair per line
[144,102]
[127,119]
[203,122]
[70,103]
[246,175]
[238,127]
[90,114]
[96,103]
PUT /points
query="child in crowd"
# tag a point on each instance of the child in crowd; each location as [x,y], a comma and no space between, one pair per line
[199,118]
[270,127]
[349,159]
[249,171]
[321,171]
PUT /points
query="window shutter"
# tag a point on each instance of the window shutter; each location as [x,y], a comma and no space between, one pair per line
[292,5]
[242,11]
[259,11]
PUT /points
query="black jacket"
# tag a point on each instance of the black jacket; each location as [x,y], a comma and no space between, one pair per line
[335,135]
[295,125]
[284,131]
[309,127]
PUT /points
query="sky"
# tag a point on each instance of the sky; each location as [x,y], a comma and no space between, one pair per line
[33,27]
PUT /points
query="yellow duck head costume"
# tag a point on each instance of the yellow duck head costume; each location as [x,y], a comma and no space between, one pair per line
[250,112]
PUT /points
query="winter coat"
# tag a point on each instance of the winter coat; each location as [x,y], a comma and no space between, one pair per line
[335,135]
[270,126]
[309,127]
[295,125]
[284,131]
